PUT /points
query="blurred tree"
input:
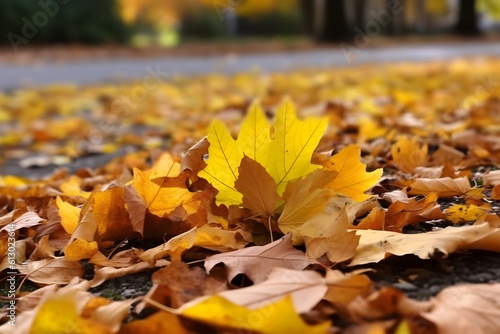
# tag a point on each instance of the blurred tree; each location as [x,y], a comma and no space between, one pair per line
[89,21]
[326,20]
[467,18]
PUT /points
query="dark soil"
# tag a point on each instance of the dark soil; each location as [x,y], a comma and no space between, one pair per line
[422,279]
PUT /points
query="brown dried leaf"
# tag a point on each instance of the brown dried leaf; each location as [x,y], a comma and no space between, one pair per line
[377,245]
[193,158]
[337,248]
[26,220]
[51,271]
[257,187]
[401,214]
[444,187]
[258,261]
[469,308]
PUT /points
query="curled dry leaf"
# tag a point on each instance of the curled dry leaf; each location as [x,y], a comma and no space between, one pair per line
[377,245]
[206,236]
[26,220]
[51,271]
[193,158]
[468,308]
[401,214]
[491,178]
[444,187]
[258,261]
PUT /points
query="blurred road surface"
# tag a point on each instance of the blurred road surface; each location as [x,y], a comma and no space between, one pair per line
[89,72]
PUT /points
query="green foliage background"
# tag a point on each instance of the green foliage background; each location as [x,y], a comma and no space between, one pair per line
[85,21]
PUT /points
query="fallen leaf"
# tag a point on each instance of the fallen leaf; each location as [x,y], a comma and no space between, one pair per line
[352,179]
[467,308]
[79,249]
[258,261]
[26,220]
[375,220]
[306,289]
[303,200]
[71,187]
[224,157]
[254,135]
[337,248]
[69,215]
[193,158]
[83,244]
[287,157]
[293,146]
[492,178]
[495,193]
[344,288]
[377,245]
[401,214]
[257,187]
[444,187]
[111,215]
[459,213]
[160,197]
[408,154]
[51,271]
[205,236]
[277,317]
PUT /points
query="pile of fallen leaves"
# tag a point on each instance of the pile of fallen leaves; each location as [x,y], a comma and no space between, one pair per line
[259,234]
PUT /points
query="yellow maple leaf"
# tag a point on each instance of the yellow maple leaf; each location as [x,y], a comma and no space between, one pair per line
[162,188]
[352,178]
[287,157]
[278,317]
[293,146]
[224,157]
[254,137]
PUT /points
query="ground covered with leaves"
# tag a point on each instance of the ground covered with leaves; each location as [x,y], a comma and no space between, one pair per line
[313,201]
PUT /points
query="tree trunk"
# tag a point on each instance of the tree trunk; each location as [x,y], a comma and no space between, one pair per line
[307,12]
[335,27]
[467,18]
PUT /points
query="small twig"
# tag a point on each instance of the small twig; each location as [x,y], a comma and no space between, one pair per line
[270,229]
[160,306]
[117,246]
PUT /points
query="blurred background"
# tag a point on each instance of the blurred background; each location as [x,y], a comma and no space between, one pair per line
[101,78]
[168,23]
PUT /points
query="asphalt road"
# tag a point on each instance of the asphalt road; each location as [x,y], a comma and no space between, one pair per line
[89,72]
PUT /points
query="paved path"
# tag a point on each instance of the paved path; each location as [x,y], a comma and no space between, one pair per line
[88,72]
